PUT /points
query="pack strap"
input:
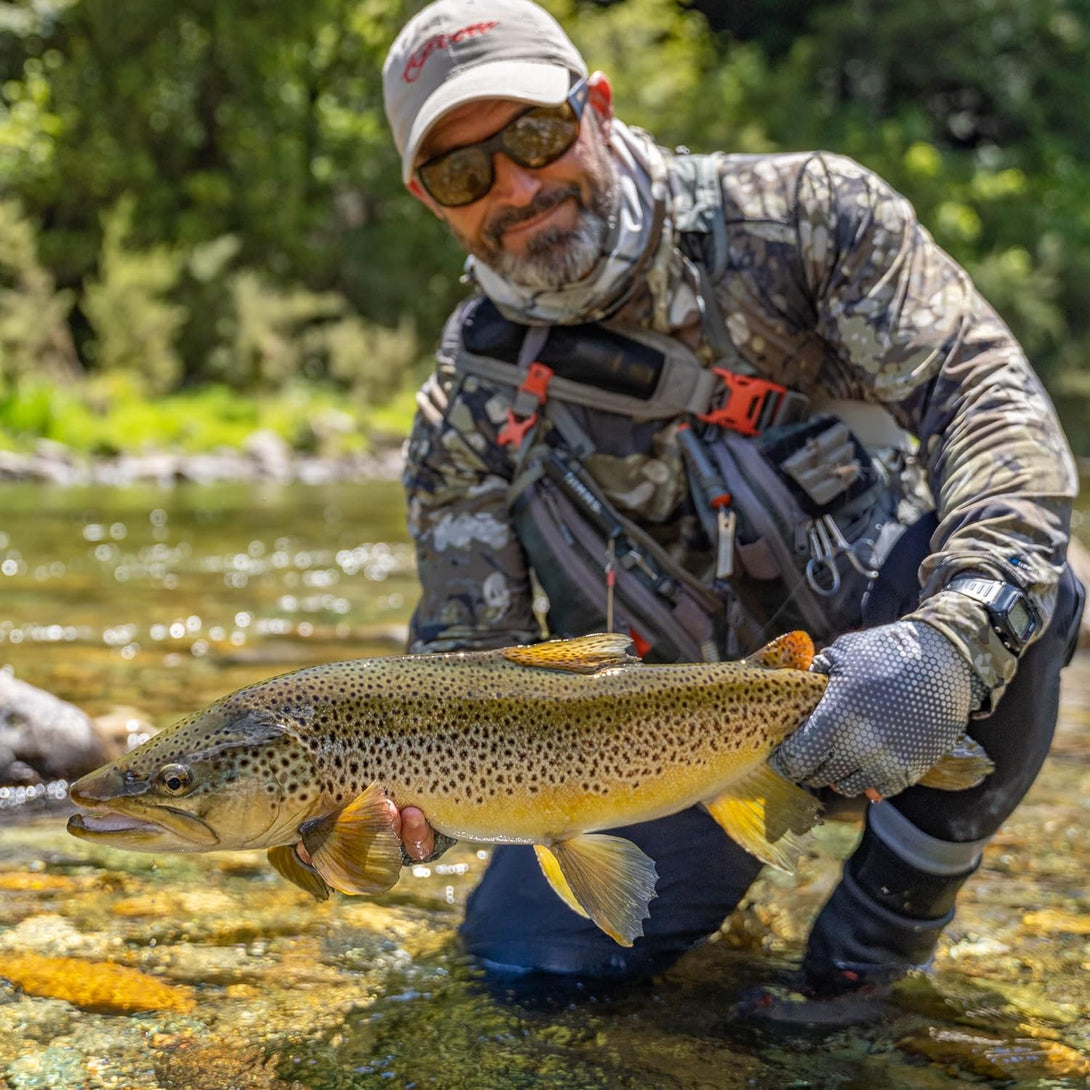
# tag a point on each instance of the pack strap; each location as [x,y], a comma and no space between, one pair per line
[684,386]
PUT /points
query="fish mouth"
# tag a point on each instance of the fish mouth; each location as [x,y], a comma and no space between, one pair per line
[156,828]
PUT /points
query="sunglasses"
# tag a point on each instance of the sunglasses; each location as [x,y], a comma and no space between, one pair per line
[533,139]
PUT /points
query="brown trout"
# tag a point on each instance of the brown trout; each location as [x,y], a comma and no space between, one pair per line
[543,745]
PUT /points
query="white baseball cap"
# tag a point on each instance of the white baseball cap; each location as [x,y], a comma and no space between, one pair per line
[458,51]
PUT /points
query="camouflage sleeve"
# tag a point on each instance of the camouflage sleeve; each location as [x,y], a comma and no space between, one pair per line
[475,586]
[907,328]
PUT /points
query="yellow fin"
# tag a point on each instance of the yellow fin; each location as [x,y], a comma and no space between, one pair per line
[794,651]
[964,766]
[551,869]
[581,655]
[766,814]
[287,863]
[605,878]
[356,849]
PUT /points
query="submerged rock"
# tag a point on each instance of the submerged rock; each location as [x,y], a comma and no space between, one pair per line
[43,737]
[997,1057]
[1049,921]
[94,986]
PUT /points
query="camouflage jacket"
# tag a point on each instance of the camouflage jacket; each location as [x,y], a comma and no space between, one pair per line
[832,288]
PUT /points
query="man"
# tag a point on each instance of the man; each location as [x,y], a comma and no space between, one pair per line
[812,279]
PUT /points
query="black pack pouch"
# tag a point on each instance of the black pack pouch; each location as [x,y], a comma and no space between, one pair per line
[815,520]
[573,539]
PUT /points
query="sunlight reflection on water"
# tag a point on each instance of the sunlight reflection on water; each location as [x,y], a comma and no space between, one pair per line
[154,602]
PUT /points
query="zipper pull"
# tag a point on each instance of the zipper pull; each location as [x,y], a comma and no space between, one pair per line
[611,580]
[726,523]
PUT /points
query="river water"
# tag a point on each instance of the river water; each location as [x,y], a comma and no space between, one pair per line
[191,972]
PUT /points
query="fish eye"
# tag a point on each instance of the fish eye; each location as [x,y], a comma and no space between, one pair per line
[175,779]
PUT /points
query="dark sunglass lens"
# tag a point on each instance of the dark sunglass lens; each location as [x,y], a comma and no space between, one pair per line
[460,177]
[539,137]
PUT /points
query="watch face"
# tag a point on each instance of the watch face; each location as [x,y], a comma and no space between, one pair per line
[1021,621]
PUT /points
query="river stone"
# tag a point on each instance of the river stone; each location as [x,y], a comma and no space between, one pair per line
[42,736]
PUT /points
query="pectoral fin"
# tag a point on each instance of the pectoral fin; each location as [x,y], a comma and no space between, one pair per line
[605,878]
[964,766]
[792,651]
[766,814]
[287,863]
[356,849]
[581,655]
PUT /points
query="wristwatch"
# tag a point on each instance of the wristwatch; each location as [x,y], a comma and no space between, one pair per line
[1011,614]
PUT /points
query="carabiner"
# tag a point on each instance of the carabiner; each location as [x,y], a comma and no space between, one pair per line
[821,557]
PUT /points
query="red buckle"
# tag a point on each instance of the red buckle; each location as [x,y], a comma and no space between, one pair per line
[536,381]
[514,431]
[536,384]
[747,397]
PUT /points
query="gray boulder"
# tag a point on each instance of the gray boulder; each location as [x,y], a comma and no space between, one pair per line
[43,737]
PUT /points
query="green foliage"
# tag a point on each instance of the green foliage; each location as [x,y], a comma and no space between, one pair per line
[268,336]
[370,359]
[109,418]
[126,304]
[34,336]
[208,193]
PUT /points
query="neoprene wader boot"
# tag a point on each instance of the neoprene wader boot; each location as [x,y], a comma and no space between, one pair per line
[888,912]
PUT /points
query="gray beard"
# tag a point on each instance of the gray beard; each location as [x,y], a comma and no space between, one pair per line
[558,256]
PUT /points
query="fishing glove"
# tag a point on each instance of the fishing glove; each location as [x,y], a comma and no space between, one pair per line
[897,700]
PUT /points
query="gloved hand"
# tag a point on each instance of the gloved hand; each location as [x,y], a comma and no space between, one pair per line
[898,697]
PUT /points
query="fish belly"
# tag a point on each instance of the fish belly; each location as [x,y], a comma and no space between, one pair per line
[576,806]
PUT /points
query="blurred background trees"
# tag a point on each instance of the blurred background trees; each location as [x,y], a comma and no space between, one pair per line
[203,196]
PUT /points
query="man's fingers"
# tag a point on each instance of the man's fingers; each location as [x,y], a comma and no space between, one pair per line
[416,834]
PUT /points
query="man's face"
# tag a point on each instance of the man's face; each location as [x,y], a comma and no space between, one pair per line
[544,227]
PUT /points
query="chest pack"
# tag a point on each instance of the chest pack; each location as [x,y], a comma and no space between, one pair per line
[798,513]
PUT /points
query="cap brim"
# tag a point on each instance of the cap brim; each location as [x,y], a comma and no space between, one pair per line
[537,82]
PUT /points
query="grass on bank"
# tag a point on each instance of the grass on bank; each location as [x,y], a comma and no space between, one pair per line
[101,419]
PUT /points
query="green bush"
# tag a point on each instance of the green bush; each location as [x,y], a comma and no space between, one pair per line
[212,195]
[128,306]
[34,334]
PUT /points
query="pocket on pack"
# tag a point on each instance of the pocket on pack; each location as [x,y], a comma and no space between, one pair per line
[570,556]
[814,512]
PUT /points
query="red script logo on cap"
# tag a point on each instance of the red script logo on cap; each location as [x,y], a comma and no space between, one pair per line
[418,58]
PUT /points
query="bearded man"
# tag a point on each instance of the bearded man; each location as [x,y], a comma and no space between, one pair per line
[852,359]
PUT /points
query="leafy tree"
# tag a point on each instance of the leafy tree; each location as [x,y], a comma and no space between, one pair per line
[219,175]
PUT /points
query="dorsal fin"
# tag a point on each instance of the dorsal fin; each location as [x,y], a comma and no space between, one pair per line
[581,655]
[792,651]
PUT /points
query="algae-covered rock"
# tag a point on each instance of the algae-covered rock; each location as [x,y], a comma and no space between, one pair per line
[27,881]
[192,1065]
[997,1057]
[94,986]
[1048,921]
